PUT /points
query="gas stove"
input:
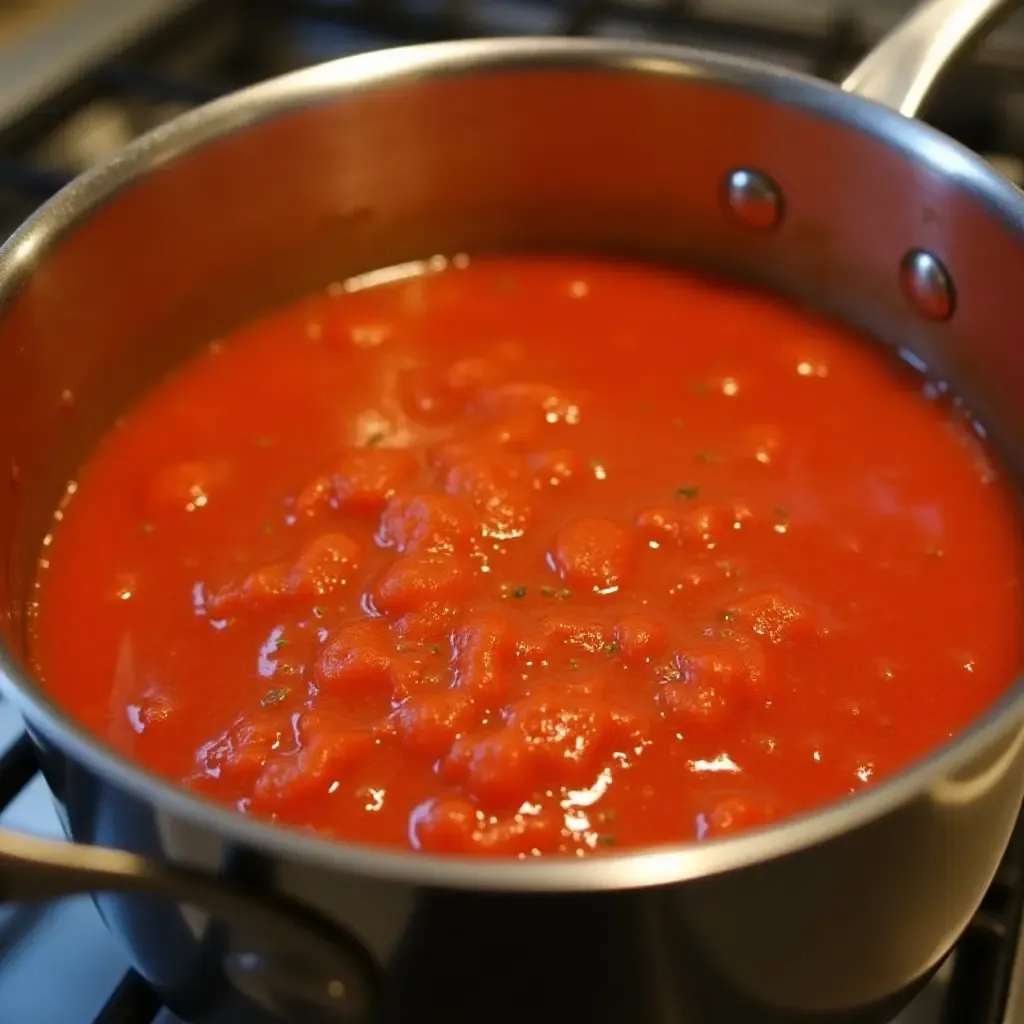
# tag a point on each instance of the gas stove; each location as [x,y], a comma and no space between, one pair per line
[80,78]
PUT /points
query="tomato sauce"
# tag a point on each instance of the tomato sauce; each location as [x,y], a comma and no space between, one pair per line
[525,556]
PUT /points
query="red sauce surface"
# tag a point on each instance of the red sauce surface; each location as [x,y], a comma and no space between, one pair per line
[534,556]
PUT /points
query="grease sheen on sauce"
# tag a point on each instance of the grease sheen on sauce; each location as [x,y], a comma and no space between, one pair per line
[534,556]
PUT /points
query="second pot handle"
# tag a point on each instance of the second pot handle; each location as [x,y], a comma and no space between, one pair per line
[326,971]
[901,70]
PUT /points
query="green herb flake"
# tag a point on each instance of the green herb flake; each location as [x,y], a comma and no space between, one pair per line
[574,664]
[274,697]
[687,492]
[281,643]
[318,612]
[519,593]
[375,438]
[434,648]
[606,840]
[612,649]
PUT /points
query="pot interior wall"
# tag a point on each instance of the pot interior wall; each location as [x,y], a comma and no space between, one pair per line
[337,180]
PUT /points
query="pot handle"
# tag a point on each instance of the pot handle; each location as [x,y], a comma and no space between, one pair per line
[903,68]
[309,967]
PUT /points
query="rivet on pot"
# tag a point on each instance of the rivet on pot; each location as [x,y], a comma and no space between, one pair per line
[927,285]
[754,199]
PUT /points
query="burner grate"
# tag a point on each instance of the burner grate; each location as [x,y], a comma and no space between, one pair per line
[132,1002]
[189,51]
[989,947]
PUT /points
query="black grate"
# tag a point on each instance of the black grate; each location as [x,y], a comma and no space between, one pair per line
[212,46]
[132,1002]
[208,47]
[986,953]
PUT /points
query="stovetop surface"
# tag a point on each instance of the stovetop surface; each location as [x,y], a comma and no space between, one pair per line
[79,78]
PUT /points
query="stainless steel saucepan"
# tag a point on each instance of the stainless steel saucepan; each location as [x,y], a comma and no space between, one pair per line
[832,196]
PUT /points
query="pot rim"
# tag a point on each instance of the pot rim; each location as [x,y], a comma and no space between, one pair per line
[331,82]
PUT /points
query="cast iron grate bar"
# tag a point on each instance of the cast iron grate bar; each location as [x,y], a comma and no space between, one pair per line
[419,22]
[135,81]
[134,1001]
[33,182]
[18,765]
[985,954]
[843,36]
[242,41]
